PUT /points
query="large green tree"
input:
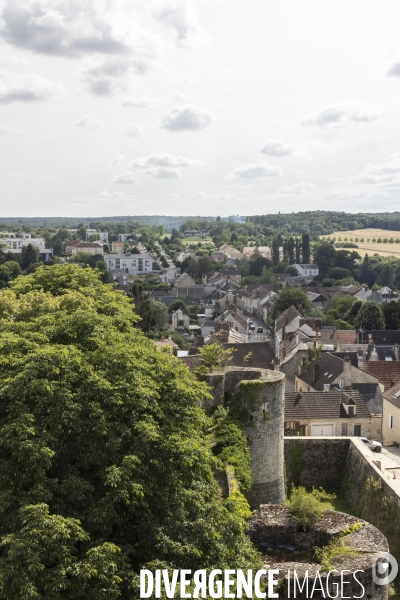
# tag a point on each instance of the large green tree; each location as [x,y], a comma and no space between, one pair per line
[290,296]
[370,317]
[105,467]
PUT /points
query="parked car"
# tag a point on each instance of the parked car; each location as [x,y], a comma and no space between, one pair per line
[251,327]
[372,444]
[260,330]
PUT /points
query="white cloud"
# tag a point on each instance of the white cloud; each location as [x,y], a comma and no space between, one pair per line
[28,88]
[278,148]
[89,122]
[188,79]
[380,174]
[134,131]
[257,170]
[140,102]
[242,76]
[394,70]
[338,115]
[60,27]
[118,160]
[162,173]
[8,131]
[187,118]
[129,178]
[181,16]
[175,196]
[28,177]
[296,189]
[165,160]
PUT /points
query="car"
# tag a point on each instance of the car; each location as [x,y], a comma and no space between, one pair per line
[260,330]
[250,322]
[372,444]
[251,327]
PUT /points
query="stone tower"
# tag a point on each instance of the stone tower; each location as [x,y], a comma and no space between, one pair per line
[258,395]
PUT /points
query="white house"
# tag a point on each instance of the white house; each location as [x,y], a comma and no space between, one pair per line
[134,264]
[15,245]
[303,270]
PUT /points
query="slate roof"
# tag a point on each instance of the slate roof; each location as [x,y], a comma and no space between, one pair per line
[390,395]
[322,405]
[381,337]
[330,367]
[388,372]
[291,313]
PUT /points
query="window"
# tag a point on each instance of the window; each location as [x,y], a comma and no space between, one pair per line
[344,429]
[357,430]
[351,411]
[391,422]
[117,263]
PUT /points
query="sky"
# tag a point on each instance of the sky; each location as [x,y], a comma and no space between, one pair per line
[198,107]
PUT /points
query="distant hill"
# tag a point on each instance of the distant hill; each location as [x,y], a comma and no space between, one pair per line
[73,222]
[322,222]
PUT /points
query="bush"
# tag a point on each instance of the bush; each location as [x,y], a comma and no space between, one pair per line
[307,507]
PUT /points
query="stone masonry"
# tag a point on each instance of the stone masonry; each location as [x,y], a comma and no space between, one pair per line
[258,395]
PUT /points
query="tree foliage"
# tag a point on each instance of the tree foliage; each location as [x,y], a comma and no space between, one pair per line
[104,467]
[290,296]
[370,317]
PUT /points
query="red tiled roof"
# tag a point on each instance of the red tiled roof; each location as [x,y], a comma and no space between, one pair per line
[388,372]
[346,336]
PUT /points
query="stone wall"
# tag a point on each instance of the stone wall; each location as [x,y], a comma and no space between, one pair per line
[373,494]
[257,397]
[316,461]
[346,463]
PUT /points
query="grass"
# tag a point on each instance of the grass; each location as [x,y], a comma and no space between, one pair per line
[339,503]
[370,247]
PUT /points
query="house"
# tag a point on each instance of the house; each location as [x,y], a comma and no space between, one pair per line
[391,415]
[387,372]
[117,247]
[15,244]
[224,333]
[327,413]
[207,327]
[103,235]
[179,319]
[88,247]
[329,371]
[387,294]
[192,233]
[236,318]
[298,281]
[304,270]
[134,264]
[218,257]
[70,245]
[286,322]
[184,280]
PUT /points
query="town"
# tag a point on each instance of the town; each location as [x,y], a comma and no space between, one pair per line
[296,336]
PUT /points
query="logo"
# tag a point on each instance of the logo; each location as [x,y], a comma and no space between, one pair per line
[384,568]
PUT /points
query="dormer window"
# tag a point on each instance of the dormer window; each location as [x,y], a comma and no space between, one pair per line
[352,411]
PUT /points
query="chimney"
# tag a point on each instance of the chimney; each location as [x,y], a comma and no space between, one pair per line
[347,372]
[397,352]
[286,318]
[302,366]
[360,357]
[315,344]
[315,371]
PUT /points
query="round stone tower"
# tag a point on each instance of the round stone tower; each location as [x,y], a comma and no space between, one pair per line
[258,396]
